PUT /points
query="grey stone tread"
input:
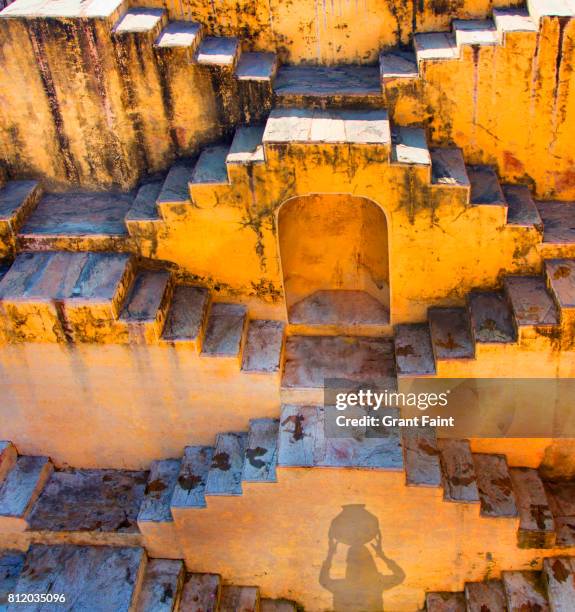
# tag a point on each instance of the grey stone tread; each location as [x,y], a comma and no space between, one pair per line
[75,8]
[179,34]
[263,348]
[458,471]
[343,80]
[144,207]
[413,350]
[79,214]
[277,605]
[536,527]
[541,8]
[398,64]
[90,500]
[491,317]
[450,333]
[262,451]
[139,20]
[514,20]
[175,189]
[256,66]
[201,593]
[225,475]
[521,209]
[225,330]
[11,563]
[485,187]
[22,485]
[475,32]
[525,591]
[94,578]
[448,167]
[410,146]
[485,596]
[445,602]
[561,498]
[14,195]
[187,313]
[218,51]
[561,277]
[558,222]
[559,575]
[304,442]
[421,457]
[312,359]
[434,46]
[162,583]
[211,166]
[239,599]
[247,146]
[494,485]
[531,302]
[23,274]
[159,490]
[189,491]
[146,296]
[8,456]
[101,277]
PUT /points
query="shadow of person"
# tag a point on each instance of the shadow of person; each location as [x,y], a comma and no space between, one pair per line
[362,588]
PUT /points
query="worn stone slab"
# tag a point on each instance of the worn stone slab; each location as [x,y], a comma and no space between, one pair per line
[189,491]
[58,278]
[262,451]
[448,167]
[17,195]
[239,599]
[475,32]
[435,46]
[146,297]
[140,20]
[450,333]
[180,34]
[264,345]
[445,602]
[485,187]
[23,273]
[247,146]
[366,127]
[513,20]
[301,436]
[327,127]
[531,302]
[93,9]
[201,593]
[491,317]
[23,484]
[536,527]
[487,596]
[288,125]
[218,51]
[398,64]
[559,578]
[90,500]
[561,498]
[161,587]
[561,277]
[277,605]
[187,313]
[525,591]
[211,166]
[410,146]
[144,207]
[8,457]
[521,208]
[225,475]
[494,485]
[421,457]
[256,66]
[175,189]
[225,330]
[94,578]
[320,81]
[458,471]
[558,222]
[544,8]
[11,563]
[413,350]
[159,490]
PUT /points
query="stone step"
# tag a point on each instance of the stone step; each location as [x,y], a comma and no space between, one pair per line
[450,330]
[218,51]
[521,208]
[474,32]
[458,471]
[11,564]
[144,207]
[558,222]
[17,200]
[559,577]
[185,35]
[494,485]
[435,46]
[525,591]
[225,330]
[491,318]
[445,602]
[413,350]
[561,498]
[239,599]
[531,302]
[175,191]
[277,605]
[536,527]
[225,475]
[485,187]
[187,317]
[448,168]
[513,20]
[22,486]
[189,491]
[262,451]
[211,167]
[159,490]
[263,350]
[142,21]
[397,64]
[8,457]
[543,8]
[409,146]
[247,146]
[560,274]
[257,67]
[421,457]
[485,596]
[162,585]
[201,593]
[95,578]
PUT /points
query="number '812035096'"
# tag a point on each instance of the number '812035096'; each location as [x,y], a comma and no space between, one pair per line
[26,598]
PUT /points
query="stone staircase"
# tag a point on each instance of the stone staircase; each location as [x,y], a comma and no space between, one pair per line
[121,579]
